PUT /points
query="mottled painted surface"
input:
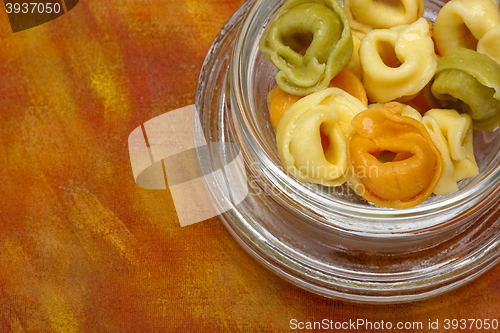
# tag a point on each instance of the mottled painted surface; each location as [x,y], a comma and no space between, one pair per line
[82,248]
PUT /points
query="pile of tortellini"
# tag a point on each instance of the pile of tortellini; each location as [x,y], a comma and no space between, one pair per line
[374,95]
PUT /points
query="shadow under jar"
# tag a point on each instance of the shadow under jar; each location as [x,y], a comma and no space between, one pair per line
[328,240]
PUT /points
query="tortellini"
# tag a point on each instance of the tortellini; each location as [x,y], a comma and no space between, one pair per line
[365,15]
[451,132]
[467,81]
[489,44]
[398,62]
[298,136]
[462,23]
[413,173]
[321,27]
[388,152]
[279,101]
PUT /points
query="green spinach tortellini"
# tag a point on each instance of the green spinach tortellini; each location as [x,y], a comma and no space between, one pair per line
[468,82]
[310,42]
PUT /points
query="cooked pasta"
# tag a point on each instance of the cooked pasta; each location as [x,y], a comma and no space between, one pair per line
[407,179]
[462,23]
[398,62]
[452,135]
[365,15]
[489,44]
[338,108]
[319,26]
[298,136]
[468,81]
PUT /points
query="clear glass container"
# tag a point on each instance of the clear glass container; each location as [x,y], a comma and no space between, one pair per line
[329,240]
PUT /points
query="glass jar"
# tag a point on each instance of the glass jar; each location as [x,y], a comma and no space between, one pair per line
[323,239]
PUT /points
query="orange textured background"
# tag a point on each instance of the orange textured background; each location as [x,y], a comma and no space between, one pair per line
[82,248]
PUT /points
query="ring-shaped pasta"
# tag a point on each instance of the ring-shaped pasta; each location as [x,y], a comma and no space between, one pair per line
[321,27]
[298,136]
[366,15]
[408,179]
[489,44]
[462,23]
[398,62]
[451,132]
[469,82]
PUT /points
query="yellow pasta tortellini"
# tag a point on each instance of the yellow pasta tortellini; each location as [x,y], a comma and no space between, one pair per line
[398,62]
[451,132]
[489,44]
[462,23]
[328,112]
[366,15]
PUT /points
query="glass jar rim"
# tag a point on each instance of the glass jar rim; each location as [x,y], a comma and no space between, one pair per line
[474,193]
[474,248]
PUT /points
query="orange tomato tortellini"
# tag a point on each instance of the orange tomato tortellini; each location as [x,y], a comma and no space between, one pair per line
[392,157]
[279,101]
